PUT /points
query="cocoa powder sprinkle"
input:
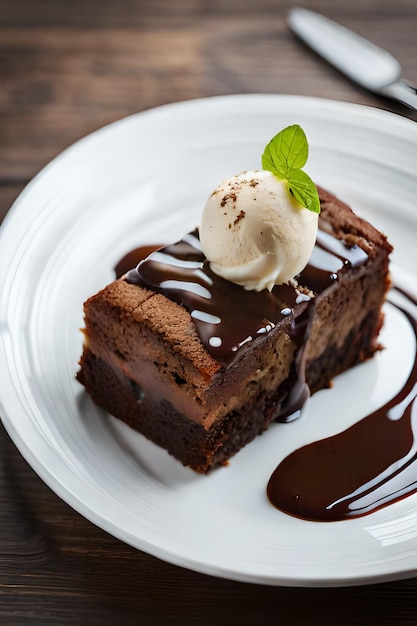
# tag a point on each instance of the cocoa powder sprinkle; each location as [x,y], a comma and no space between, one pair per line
[228,196]
[239,217]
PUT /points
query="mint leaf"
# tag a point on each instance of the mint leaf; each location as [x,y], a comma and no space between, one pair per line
[284,156]
[304,190]
[286,151]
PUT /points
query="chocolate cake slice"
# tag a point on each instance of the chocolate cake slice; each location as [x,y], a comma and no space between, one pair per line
[200,366]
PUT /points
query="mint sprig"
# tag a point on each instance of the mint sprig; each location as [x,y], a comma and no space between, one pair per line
[284,156]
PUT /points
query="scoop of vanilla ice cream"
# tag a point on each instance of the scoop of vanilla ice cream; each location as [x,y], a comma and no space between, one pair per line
[255,233]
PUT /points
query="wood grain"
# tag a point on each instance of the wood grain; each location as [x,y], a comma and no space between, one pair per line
[66,69]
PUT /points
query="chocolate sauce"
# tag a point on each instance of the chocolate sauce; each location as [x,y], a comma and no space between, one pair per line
[330,257]
[132,258]
[371,464]
[227,316]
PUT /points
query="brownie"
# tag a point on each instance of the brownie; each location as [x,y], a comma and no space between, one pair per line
[156,356]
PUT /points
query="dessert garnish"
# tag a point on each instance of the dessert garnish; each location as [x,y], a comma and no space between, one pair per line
[285,156]
[255,230]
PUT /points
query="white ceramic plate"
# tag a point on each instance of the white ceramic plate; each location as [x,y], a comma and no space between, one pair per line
[145,179]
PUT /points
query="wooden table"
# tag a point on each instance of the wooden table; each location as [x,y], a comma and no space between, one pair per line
[66,69]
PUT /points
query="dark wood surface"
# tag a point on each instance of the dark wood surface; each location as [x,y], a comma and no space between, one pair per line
[66,69]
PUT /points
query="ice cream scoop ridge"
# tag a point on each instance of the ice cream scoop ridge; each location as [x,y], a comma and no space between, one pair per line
[255,233]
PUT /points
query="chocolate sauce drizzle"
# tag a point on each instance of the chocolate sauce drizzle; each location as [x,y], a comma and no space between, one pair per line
[227,316]
[368,466]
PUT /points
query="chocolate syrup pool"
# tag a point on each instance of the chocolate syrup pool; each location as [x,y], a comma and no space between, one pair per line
[368,466]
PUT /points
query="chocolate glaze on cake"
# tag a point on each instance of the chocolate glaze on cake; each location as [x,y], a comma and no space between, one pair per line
[227,316]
